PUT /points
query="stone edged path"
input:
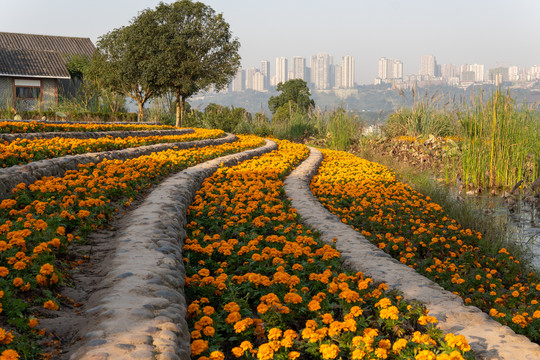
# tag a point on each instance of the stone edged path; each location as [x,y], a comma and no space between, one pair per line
[31,172]
[488,338]
[141,311]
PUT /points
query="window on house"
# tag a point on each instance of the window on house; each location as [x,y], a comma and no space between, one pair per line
[27,89]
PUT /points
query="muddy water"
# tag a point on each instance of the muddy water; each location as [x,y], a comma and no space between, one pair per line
[522,216]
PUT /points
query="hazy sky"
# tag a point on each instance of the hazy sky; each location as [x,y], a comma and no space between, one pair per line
[490,32]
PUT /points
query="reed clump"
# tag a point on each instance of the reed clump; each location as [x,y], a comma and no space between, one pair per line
[500,142]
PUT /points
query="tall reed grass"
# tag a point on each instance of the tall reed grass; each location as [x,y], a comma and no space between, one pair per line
[500,141]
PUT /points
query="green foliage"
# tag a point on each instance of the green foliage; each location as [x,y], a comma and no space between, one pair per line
[501,142]
[188,47]
[295,91]
[126,65]
[224,118]
[425,117]
[343,130]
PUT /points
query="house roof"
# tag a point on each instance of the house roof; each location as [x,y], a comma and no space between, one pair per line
[29,55]
[33,63]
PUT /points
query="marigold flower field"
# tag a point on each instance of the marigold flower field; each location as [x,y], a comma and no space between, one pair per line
[35,127]
[39,222]
[263,286]
[259,284]
[416,231]
[23,151]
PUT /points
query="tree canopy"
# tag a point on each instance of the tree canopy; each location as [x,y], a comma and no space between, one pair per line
[126,65]
[295,91]
[193,49]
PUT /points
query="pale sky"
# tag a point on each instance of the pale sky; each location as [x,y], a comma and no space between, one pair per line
[489,32]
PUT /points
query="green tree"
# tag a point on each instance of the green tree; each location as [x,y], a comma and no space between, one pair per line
[126,65]
[295,91]
[194,49]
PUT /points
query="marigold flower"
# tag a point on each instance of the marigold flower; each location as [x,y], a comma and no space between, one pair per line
[329,351]
[198,346]
[46,269]
[51,305]
[9,354]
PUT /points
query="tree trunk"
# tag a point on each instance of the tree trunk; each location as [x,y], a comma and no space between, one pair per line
[178,110]
[140,115]
[182,110]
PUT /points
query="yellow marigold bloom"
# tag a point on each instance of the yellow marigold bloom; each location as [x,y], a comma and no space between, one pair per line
[327,318]
[242,325]
[265,352]
[246,345]
[293,355]
[383,303]
[358,354]
[520,320]
[399,345]
[381,353]
[536,314]
[425,319]
[425,355]
[292,298]
[458,342]
[216,355]
[390,313]
[274,334]
[329,351]
[198,346]
[356,311]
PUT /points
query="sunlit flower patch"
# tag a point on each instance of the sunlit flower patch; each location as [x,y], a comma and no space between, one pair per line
[262,286]
[416,231]
[23,151]
[15,127]
[38,223]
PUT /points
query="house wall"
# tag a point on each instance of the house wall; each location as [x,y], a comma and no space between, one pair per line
[49,93]
[6,91]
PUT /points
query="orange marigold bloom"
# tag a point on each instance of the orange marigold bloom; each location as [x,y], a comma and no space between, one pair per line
[293,355]
[9,355]
[18,281]
[216,355]
[19,265]
[198,346]
[3,271]
[46,269]
[51,305]
[329,351]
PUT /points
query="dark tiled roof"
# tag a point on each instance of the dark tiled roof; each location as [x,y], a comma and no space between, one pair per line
[32,63]
[61,44]
[40,55]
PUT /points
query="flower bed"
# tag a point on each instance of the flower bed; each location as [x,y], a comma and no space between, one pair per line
[35,126]
[23,151]
[262,286]
[39,222]
[416,231]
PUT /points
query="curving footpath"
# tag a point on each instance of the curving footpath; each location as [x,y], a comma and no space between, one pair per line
[28,173]
[487,338]
[141,311]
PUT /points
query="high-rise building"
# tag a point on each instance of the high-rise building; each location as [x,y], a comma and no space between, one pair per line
[321,71]
[390,69]
[239,81]
[428,66]
[250,73]
[477,69]
[347,72]
[265,71]
[258,81]
[282,71]
[338,76]
[513,73]
[299,68]
[534,73]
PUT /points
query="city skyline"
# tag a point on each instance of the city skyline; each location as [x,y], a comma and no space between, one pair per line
[494,33]
[323,74]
